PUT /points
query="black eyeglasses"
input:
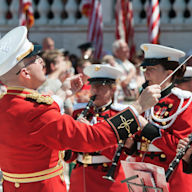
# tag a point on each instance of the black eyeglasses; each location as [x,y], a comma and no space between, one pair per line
[33,61]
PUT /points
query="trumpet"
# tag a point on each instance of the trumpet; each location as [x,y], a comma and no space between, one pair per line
[85,111]
[111,172]
[177,159]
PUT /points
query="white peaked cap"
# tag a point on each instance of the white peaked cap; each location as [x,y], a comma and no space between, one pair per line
[188,72]
[102,73]
[15,46]
[158,52]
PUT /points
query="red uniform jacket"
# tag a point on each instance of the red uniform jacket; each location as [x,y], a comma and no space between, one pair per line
[166,140]
[32,133]
[89,178]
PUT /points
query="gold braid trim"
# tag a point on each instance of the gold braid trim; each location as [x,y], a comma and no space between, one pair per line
[26,53]
[39,98]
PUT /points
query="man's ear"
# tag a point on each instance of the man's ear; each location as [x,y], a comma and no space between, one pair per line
[113,89]
[25,73]
[169,72]
[52,67]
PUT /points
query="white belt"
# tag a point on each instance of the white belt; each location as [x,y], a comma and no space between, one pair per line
[96,159]
[151,148]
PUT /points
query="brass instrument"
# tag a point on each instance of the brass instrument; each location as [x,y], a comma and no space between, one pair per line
[177,159]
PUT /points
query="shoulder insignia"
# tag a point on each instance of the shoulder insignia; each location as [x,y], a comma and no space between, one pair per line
[118,106]
[40,98]
[181,93]
[79,106]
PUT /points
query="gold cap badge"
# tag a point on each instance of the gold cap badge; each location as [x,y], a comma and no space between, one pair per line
[97,68]
[145,47]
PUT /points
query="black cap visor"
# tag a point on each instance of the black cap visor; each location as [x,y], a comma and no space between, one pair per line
[154,61]
[101,81]
[37,49]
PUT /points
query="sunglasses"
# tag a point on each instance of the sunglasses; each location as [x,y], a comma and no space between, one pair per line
[33,61]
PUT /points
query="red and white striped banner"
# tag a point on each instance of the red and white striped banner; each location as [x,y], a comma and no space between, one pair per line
[95,25]
[153,21]
[26,17]
[125,24]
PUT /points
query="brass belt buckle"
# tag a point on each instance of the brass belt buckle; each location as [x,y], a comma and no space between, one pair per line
[87,159]
[144,146]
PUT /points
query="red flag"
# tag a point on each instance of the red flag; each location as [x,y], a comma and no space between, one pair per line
[26,17]
[95,26]
[153,21]
[86,6]
[125,24]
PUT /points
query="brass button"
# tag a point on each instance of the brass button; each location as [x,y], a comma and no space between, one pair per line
[143,138]
[141,155]
[166,113]
[138,128]
[170,105]
[97,115]
[120,141]
[103,108]
[149,141]
[130,134]
[17,184]
[164,123]
[85,165]
[104,164]
[163,155]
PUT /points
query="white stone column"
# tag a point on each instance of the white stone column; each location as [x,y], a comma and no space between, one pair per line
[43,9]
[144,20]
[3,10]
[179,7]
[137,6]
[107,11]
[165,7]
[57,8]
[14,7]
[189,7]
[83,19]
[71,8]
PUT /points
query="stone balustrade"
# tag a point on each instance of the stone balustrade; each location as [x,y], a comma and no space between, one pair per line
[65,16]
[65,12]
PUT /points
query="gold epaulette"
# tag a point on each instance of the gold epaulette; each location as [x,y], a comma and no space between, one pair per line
[31,94]
[40,98]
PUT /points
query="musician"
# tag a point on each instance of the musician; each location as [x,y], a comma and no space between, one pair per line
[185,83]
[91,167]
[169,120]
[33,132]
